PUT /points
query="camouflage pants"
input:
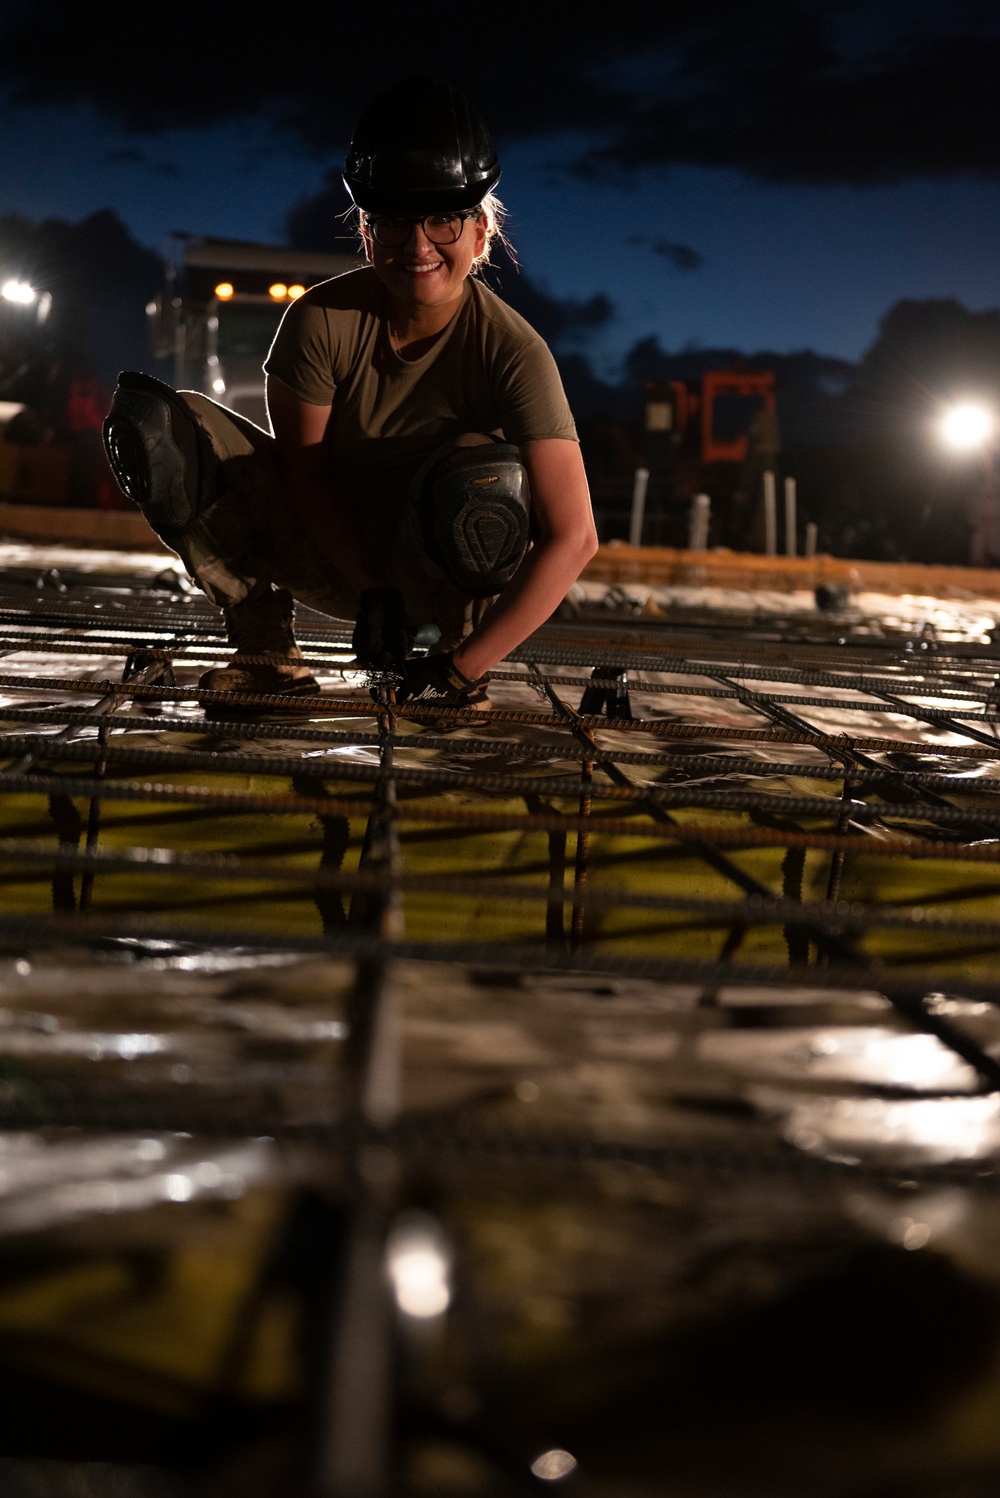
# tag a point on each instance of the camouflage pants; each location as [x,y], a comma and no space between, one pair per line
[246,541]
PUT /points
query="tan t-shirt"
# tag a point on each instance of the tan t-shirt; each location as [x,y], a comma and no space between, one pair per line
[488,372]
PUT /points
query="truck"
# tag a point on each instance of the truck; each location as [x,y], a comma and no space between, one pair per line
[214,318]
[219,309]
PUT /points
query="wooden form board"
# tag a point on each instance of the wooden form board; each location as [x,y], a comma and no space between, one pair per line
[662,566]
[53,524]
[651,566]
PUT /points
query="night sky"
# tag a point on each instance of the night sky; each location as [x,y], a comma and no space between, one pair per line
[753,176]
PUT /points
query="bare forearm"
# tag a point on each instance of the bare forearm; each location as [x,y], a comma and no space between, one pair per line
[532,596]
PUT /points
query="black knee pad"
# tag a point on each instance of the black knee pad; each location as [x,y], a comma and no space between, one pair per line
[161,458]
[475,511]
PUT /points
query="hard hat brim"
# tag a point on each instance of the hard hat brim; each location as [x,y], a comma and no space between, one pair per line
[414,202]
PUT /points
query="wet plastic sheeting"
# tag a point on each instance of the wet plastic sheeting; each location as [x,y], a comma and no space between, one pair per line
[167,1039]
[46,1181]
[640,1207]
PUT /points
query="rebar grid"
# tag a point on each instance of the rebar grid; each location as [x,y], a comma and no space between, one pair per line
[936,805]
[545,761]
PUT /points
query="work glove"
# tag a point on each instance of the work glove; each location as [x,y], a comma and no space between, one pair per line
[436,679]
[381,639]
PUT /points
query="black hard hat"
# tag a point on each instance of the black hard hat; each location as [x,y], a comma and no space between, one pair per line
[421,147]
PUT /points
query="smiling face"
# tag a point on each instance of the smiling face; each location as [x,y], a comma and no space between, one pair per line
[421,276]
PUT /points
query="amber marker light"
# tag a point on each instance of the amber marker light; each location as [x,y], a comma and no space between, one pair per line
[294,292]
[224,291]
[278,291]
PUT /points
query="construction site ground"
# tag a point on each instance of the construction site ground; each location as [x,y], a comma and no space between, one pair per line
[660,999]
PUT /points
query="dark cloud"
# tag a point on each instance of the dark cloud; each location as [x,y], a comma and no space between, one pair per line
[680,256]
[132,156]
[786,104]
[786,90]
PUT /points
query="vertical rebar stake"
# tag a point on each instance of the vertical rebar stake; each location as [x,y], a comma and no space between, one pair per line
[94,819]
[791,518]
[770,516]
[698,522]
[838,855]
[354,1457]
[582,865]
[639,486]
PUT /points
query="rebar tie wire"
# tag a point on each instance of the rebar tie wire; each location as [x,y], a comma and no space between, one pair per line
[483,957]
[422,779]
[958,817]
[104,645]
[834,915]
[224,802]
[347,706]
[194,615]
[896,707]
[831,944]
[476,781]
[924,682]
[694,762]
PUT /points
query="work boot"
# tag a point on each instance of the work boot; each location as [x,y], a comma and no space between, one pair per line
[261,626]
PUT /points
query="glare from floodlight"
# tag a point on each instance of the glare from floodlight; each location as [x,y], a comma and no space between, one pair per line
[18,291]
[967,426]
[553,1465]
[419,1266]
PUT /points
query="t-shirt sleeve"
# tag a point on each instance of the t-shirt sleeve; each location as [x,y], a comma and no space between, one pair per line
[301,355]
[533,404]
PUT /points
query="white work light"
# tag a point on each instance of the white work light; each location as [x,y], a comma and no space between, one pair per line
[419,1265]
[966,426]
[18,291]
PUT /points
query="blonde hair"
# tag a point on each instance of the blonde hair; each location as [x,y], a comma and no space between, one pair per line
[494,215]
[491,212]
